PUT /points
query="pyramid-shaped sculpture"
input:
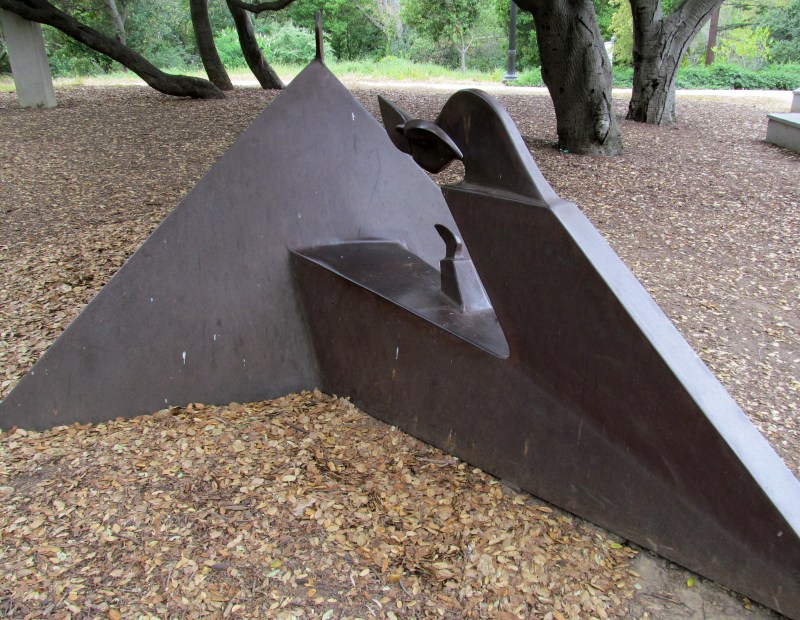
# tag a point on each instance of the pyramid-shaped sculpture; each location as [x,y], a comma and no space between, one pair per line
[317,253]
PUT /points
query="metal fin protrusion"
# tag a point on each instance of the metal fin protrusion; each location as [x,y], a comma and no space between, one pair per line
[394,116]
[431,147]
[460,281]
[320,40]
[454,247]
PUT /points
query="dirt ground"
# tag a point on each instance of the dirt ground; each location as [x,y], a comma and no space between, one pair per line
[305,506]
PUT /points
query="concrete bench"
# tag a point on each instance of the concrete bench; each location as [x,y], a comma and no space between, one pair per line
[784,129]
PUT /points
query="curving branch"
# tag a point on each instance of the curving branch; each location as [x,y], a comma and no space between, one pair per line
[43,12]
[252,52]
[205,45]
[260,7]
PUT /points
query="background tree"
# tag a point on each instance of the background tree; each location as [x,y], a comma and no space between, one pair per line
[4,66]
[45,13]
[577,73]
[385,16]
[660,40]
[783,22]
[622,31]
[265,75]
[348,29]
[527,45]
[450,20]
[204,35]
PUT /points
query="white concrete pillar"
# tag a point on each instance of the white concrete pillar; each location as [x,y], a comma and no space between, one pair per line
[796,101]
[28,60]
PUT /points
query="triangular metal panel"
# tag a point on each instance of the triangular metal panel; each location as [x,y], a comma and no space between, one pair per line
[205,310]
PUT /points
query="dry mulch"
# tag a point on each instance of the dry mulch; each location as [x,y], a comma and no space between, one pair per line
[305,505]
[298,507]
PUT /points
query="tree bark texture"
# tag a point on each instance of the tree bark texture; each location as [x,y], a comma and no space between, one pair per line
[178,85]
[659,45]
[712,37]
[205,45]
[577,73]
[118,19]
[252,53]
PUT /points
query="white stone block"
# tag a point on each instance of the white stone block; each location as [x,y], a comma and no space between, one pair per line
[784,130]
[28,59]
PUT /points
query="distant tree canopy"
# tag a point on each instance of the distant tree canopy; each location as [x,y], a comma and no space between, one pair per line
[783,25]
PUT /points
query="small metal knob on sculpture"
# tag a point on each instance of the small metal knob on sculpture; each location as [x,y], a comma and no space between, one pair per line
[460,281]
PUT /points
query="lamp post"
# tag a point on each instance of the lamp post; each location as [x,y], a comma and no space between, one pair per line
[511,70]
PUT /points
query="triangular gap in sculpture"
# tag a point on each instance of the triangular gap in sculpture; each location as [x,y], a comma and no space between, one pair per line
[587,397]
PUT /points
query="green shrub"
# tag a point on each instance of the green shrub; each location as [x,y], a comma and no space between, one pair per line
[726,76]
[623,76]
[291,45]
[529,77]
[230,52]
[715,77]
[282,43]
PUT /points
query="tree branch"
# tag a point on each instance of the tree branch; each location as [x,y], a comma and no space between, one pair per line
[43,12]
[252,52]
[261,7]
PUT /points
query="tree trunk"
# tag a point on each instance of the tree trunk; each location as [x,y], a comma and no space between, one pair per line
[119,21]
[712,37]
[252,53]
[659,44]
[179,85]
[577,73]
[205,45]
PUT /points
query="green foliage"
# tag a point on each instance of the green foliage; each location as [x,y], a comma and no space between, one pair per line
[715,77]
[469,27]
[604,11]
[4,66]
[229,49]
[622,29]
[783,23]
[281,43]
[746,47]
[527,46]
[161,31]
[622,76]
[529,77]
[68,57]
[726,76]
[396,69]
[348,29]
[289,44]
[450,20]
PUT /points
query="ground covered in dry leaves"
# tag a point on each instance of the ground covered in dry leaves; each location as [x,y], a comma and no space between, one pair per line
[305,506]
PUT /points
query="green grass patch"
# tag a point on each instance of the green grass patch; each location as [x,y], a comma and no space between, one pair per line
[388,69]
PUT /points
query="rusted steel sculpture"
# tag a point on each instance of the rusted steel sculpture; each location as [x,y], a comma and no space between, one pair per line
[306,257]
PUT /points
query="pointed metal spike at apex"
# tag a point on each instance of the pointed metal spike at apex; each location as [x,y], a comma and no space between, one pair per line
[320,38]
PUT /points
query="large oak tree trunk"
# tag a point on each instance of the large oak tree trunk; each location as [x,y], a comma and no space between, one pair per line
[179,85]
[252,53]
[659,44]
[205,45]
[577,73]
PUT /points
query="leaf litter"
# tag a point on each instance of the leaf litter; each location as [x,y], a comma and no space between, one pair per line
[230,511]
[287,508]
